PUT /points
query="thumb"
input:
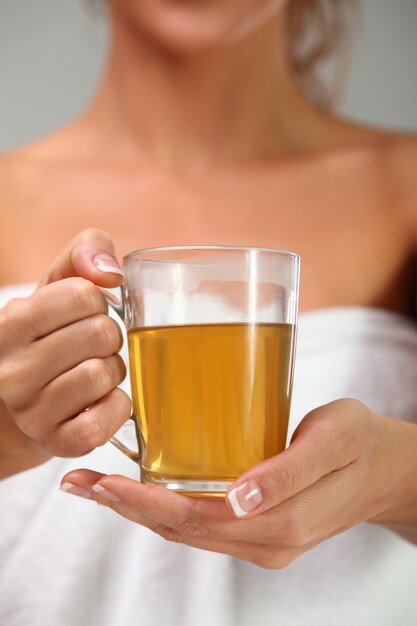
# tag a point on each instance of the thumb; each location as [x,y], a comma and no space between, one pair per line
[325,441]
[90,255]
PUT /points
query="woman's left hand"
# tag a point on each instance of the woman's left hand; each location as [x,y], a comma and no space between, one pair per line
[345,465]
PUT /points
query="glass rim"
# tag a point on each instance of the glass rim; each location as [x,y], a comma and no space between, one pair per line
[144,251]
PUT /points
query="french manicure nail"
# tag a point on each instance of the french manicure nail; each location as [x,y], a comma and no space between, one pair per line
[107,264]
[105,493]
[75,490]
[245,498]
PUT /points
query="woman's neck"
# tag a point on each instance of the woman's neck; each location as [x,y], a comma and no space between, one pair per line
[235,103]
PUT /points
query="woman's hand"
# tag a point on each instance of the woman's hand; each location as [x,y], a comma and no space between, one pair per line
[59,356]
[345,465]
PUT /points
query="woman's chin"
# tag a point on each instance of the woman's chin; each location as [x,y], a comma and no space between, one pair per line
[194,27]
[184,40]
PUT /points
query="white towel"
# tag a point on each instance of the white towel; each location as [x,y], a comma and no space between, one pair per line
[66,562]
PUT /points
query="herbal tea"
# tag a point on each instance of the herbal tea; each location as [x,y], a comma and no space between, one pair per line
[211,400]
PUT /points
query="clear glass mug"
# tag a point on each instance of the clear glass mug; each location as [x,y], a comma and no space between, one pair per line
[212,335]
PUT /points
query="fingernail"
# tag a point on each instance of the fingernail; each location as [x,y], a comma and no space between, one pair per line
[105,493]
[76,490]
[245,498]
[107,264]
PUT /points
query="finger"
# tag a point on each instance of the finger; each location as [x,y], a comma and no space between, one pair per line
[158,508]
[66,398]
[202,518]
[324,509]
[326,441]
[148,505]
[79,388]
[49,309]
[162,506]
[90,255]
[95,337]
[92,428]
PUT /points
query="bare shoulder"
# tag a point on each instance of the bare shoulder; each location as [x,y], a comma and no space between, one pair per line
[402,155]
[12,187]
[386,163]
[29,172]
[22,169]
[61,147]
[22,174]
[10,166]
[400,167]
[19,193]
[28,176]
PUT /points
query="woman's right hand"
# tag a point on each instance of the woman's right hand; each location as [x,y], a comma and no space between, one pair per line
[59,357]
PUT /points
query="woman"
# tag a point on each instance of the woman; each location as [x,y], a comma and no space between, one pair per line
[200,134]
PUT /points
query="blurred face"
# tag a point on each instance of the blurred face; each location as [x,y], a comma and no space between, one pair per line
[187,27]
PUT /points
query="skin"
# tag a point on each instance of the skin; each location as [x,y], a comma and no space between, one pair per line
[187,142]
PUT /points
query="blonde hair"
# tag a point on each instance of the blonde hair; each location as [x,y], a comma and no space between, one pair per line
[317,30]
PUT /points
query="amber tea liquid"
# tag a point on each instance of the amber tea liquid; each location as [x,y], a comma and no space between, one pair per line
[211,400]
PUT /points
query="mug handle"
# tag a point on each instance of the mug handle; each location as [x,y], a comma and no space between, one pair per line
[118,305]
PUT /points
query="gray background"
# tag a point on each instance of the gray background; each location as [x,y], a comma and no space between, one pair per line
[52,52]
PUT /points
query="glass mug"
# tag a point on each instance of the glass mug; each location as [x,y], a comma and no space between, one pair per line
[211,335]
